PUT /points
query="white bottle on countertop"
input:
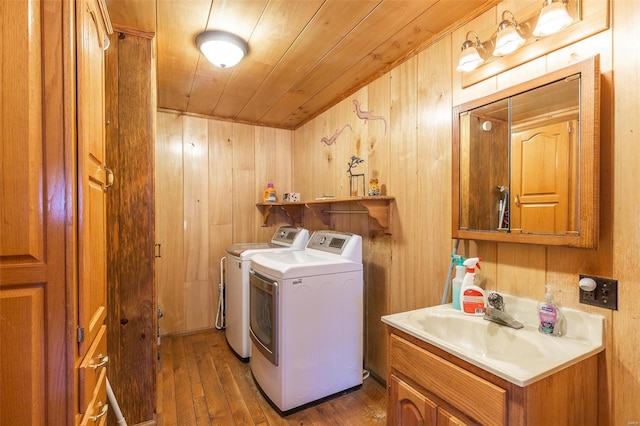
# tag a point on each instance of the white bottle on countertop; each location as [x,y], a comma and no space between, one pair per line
[472,297]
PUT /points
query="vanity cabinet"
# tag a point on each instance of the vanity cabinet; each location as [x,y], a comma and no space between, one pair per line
[428,386]
[412,407]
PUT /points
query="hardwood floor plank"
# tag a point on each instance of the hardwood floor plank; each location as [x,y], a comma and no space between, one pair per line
[185,410]
[168,405]
[197,392]
[201,382]
[218,408]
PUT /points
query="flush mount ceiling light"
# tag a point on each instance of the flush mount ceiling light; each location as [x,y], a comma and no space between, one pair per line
[508,38]
[554,18]
[221,48]
[472,53]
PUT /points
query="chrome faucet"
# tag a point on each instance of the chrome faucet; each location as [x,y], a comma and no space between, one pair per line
[495,312]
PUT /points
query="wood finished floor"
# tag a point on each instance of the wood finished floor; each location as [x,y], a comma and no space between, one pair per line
[201,382]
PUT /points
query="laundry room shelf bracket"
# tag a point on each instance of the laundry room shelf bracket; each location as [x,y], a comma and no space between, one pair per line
[293,210]
[379,208]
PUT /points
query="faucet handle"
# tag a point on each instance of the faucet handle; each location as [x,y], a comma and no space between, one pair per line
[496,301]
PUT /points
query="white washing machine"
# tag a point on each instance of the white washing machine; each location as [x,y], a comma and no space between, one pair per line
[306,321]
[237,283]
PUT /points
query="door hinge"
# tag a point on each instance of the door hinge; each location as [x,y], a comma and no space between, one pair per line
[80,334]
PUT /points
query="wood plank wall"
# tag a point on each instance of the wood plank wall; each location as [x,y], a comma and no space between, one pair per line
[209,176]
[406,268]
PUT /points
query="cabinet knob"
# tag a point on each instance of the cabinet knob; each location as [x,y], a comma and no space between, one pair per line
[102,412]
[102,361]
[110,178]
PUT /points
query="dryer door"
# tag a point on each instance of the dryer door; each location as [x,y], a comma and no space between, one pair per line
[263,315]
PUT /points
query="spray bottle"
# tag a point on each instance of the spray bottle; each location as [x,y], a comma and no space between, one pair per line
[457,281]
[472,297]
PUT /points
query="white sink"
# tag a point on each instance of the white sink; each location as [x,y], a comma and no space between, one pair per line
[519,356]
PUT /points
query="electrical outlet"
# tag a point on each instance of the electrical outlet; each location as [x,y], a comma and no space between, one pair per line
[605,295]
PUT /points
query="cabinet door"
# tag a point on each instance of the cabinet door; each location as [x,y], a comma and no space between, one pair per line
[92,172]
[409,407]
[33,214]
[445,418]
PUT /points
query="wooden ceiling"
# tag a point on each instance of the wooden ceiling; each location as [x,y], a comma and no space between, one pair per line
[304,55]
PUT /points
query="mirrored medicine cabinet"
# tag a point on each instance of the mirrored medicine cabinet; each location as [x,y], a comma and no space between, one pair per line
[526,161]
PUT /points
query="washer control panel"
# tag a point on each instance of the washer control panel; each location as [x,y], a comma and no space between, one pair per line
[341,243]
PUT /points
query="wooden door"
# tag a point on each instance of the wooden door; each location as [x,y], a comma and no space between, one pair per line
[94,178]
[409,407]
[541,177]
[34,215]
[93,174]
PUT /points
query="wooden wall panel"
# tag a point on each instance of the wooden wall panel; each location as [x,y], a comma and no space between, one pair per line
[303,158]
[196,198]
[626,234]
[245,195]
[199,291]
[169,214]
[403,184]
[434,167]
[272,164]
[206,195]
[220,135]
[378,257]
[379,137]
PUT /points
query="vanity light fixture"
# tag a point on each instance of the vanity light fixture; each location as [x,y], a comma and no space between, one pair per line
[472,53]
[221,48]
[509,37]
[553,18]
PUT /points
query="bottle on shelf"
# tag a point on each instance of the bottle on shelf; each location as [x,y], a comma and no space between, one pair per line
[269,194]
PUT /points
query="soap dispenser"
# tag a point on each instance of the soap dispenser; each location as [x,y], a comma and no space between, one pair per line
[457,280]
[472,297]
[549,315]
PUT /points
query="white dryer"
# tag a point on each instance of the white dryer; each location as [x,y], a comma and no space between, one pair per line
[306,321]
[237,283]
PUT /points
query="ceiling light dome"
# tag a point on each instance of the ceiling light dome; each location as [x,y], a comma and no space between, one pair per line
[221,48]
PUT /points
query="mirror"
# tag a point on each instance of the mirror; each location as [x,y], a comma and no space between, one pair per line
[526,161]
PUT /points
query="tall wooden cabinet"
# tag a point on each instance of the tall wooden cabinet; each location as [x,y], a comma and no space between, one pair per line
[94,179]
[33,215]
[52,179]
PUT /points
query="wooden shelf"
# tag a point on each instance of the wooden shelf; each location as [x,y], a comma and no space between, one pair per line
[375,207]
